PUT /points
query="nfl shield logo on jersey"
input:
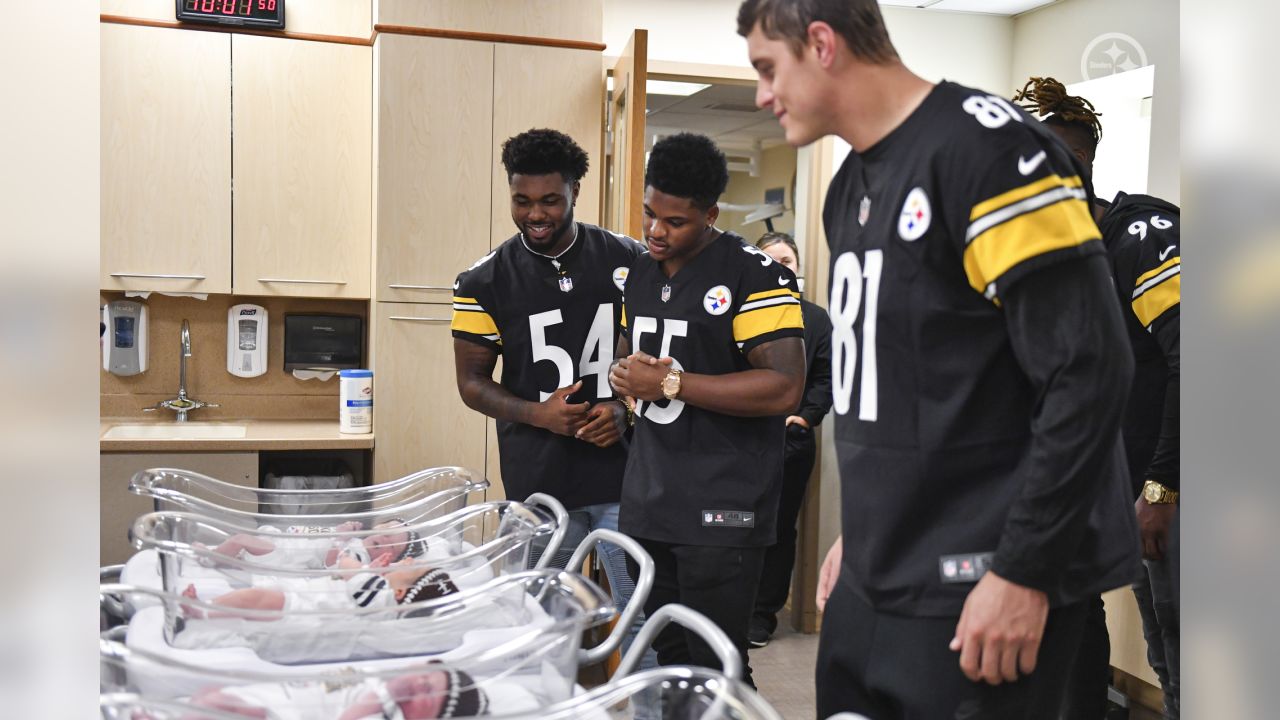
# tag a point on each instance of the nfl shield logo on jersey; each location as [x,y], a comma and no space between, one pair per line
[717,300]
[566,283]
[666,293]
[913,223]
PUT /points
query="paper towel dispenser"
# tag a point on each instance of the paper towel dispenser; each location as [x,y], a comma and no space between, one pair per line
[323,342]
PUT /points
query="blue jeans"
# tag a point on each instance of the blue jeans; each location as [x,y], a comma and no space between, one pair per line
[1159,607]
[582,521]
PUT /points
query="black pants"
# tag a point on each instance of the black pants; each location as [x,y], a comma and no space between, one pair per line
[780,558]
[892,667]
[1086,695]
[719,582]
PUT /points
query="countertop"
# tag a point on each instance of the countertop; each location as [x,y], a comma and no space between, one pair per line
[258,435]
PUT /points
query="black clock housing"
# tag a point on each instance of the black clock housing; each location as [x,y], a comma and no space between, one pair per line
[268,14]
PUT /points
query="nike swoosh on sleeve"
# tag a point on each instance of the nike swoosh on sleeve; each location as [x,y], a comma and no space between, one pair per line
[1026,167]
[782,280]
[1165,252]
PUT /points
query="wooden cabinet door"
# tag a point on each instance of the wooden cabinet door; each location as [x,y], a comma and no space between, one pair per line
[418,417]
[435,148]
[120,508]
[166,160]
[546,87]
[302,116]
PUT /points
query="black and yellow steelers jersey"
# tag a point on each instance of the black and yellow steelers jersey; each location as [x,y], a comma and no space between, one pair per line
[928,230]
[554,321]
[1143,239]
[697,476]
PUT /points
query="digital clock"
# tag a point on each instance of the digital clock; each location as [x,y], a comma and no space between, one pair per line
[244,13]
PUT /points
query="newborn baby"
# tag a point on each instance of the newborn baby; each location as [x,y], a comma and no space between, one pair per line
[423,696]
[296,551]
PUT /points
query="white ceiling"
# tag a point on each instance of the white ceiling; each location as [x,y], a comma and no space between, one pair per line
[989,7]
[727,114]
[724,113]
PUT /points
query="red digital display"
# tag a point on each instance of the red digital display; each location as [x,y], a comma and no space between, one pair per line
[252,13]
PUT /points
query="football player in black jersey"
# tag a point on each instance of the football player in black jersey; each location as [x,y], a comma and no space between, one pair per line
[1143,242]
[979,370]
[713,355]
[549,301]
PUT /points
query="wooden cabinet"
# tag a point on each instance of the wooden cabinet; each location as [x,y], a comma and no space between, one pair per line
[119,507]
[419,418]
[434,148]
[166,160]
[302,118]
[524,97]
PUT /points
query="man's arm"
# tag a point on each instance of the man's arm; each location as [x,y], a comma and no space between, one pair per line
[1065,327]
[772,386]
[817,395]
[1154,521]
[473,366]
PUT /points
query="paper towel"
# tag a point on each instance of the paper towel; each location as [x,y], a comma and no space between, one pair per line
[314,374]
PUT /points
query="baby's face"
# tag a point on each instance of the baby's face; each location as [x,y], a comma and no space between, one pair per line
[392,539]
[421,697]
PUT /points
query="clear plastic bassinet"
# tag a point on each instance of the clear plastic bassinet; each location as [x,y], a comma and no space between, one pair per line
[534,615]
[512,688]
[302,629]
[474,545]
[433,492]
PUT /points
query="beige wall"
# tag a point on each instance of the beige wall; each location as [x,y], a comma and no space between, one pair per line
[777,168]
[1051,41]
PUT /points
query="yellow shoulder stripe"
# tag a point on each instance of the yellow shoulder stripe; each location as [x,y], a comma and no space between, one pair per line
[475,323]
[1153,303]
[465,301]
[766,320]
[1022,193]
[993,253]
[1175,260]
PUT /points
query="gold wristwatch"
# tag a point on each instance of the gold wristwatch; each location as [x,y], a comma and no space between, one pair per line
[671,385]
[1156,494]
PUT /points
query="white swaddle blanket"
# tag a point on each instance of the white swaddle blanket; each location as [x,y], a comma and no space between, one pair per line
[327,701]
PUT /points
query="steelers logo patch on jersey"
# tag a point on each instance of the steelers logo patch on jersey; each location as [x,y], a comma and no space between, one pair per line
[717,300]
[916,215]
[620,278]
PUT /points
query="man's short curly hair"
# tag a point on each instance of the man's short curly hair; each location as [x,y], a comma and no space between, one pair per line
[690,166]
[542,151]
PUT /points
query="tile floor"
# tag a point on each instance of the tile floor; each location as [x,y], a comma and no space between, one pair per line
[783,671]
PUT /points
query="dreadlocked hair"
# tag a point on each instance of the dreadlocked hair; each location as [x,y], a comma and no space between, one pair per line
[1048,98]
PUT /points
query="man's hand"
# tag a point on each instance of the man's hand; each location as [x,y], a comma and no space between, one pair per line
[640,376]
[558,415]
[797,420]
[1153,525]
[605,424]
[1000,629]
[829,572]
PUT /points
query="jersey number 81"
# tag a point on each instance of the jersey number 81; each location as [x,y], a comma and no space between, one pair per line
[851,281]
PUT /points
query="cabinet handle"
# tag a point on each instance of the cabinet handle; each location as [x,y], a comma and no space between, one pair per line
[420,319]
[399,286]
[304,282]
[158,276]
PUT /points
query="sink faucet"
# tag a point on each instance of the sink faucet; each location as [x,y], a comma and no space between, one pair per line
[182,404]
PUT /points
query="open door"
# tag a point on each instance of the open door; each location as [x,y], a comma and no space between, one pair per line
[625,183]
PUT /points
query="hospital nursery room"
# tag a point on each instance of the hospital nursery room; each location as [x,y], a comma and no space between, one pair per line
[627,359]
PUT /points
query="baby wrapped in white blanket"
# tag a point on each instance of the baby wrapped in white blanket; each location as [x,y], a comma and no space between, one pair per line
[421,696]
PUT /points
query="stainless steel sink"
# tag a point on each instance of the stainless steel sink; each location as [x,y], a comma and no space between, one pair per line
[175,431]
